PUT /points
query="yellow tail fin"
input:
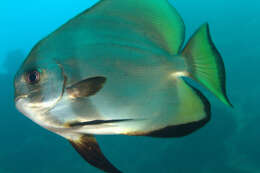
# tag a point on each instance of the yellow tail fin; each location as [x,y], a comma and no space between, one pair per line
[205,64]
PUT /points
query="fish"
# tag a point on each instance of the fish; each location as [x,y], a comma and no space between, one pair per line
[120,68]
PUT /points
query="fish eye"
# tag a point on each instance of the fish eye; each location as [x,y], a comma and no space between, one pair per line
[33,76]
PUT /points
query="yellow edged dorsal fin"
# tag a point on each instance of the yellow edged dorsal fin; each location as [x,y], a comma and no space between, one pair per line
[140,23]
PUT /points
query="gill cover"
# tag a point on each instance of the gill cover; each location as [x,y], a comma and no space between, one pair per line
[44,93]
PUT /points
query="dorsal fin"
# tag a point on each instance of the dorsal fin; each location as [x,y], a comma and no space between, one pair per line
[140,23]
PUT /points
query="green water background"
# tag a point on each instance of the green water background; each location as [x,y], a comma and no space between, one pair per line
[229,143]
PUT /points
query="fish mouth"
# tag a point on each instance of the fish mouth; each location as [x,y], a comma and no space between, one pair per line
[17,98]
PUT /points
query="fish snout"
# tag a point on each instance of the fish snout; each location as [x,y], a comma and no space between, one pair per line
[17,98]
[20,103]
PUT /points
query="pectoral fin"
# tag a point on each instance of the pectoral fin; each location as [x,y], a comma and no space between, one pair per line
[86,88]
[88,148]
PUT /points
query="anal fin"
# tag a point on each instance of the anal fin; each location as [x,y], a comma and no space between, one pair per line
[193,113]
[89,149]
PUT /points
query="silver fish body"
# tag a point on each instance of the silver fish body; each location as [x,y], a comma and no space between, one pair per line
[112,71]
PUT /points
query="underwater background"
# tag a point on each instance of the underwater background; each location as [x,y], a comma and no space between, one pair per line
[229,143]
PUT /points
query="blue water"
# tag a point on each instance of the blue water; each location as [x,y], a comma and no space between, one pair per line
[229,143]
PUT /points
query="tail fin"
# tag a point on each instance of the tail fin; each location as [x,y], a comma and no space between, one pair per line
[205,64]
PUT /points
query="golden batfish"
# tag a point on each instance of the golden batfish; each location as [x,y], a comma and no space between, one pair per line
[119,68]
